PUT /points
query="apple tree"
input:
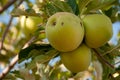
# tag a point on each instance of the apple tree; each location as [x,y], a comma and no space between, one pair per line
[59,40]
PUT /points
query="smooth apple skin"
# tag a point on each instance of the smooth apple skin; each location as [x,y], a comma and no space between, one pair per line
[77,60]
[30,24]
[64,31]
[98,30]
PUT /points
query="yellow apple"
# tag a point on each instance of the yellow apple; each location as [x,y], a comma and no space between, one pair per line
[78,59]
[64,31]
[30,24]
[98,30]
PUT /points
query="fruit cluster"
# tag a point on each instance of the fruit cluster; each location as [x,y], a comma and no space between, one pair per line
[74,37]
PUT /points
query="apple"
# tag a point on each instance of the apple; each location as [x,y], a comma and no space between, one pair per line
[42,35]
[30,24]
[98,30]
[64,31]
[78,59]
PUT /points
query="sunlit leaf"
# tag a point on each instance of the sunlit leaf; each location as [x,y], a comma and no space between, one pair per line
[98,4]
[16,73]
[82,5]
[26,74]
[57,6]
[50,9]
[3,2]
[62,6]
[24,53]
[27,12]
[10,76]
[42,58]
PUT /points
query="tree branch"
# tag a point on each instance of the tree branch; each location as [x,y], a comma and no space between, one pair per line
[103,59]
[5,33]
[10,66]
[7,28]
[14,61]
[7,5]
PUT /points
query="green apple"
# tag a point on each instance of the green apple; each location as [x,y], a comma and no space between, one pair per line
[78,59]
[64,31]
[30,24]
[98,30]
[42,35]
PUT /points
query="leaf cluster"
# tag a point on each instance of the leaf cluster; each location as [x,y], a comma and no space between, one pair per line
[36,57]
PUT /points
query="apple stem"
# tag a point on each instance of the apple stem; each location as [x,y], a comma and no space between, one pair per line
[62,23]
[103,59]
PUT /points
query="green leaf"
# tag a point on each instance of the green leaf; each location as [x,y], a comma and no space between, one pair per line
[106,52]
[57,6]
[62,6]
[10,76]
[118,69]
[26,74]
[57,74]
[111,51]
[25,53]
[16,73]
[100,5]
[42,58]
[106,72]
[50,9]
[82,5]
[109,12]
[28,12]
[74,6]
[41,28]
[3,2]
[33,53]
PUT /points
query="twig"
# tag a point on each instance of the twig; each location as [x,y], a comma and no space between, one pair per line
[7,28]
[5,33]
[14,61]
[29,42]
[104,60]
[7,5]
[10,66]
[19,3]
[111,49]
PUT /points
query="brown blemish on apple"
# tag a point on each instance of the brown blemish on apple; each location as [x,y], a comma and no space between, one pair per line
[54,23]
[62,23]
[81,23]
[26,16]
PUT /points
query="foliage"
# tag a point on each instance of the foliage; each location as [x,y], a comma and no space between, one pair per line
[39,61]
